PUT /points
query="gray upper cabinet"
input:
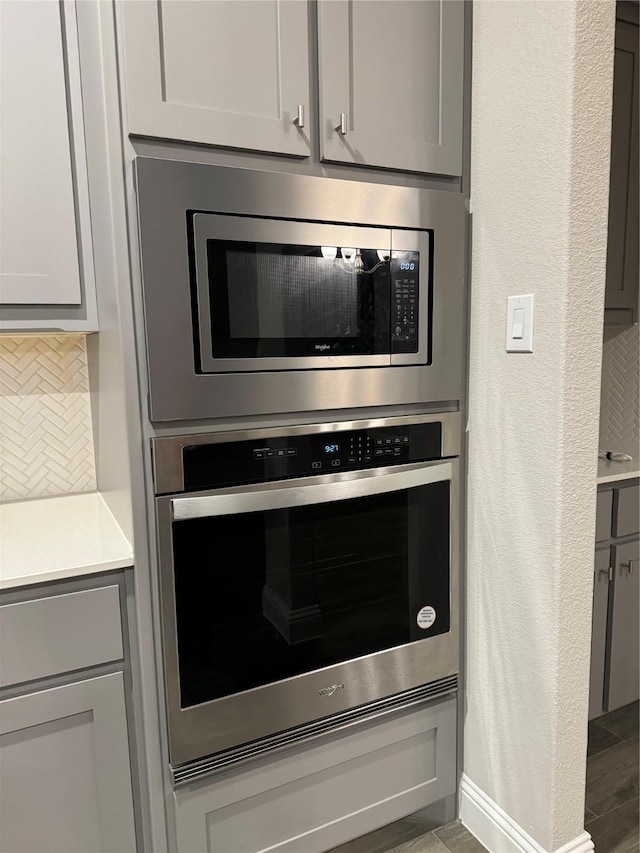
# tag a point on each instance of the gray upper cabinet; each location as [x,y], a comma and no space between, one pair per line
[230,73]
[64,770]
[622,250]
[236,74]
[391,83]
[44,201]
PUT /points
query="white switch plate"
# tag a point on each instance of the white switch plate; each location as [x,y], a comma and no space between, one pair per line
[520,323]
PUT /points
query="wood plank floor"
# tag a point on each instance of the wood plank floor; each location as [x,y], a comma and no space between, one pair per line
[612,809]
[412,835]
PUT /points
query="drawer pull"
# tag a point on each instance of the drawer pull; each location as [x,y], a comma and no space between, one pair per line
[629,566]
[608,572]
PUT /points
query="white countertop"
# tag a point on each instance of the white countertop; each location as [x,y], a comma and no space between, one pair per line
[610,472]
[62,537]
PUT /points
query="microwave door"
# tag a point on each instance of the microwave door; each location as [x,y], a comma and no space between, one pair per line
[279,295]
[411,295]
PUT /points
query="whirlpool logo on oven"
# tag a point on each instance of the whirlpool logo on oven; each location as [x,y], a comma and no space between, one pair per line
[329,691]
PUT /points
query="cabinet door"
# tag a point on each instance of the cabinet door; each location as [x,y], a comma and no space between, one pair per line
[622,247]
[624,657]
[599,631]
[604,512]
[39,248]
[230,72]
[391,79]
[64,770]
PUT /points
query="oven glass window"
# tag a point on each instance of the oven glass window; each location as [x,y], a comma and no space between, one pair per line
[265,596]
[276,300]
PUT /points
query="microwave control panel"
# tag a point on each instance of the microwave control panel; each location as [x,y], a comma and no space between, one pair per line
[222,464]
[405,277]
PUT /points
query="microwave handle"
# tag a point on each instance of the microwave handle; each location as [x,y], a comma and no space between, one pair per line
[291,493]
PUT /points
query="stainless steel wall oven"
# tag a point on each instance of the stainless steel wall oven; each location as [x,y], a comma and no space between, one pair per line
[309,576]
[267,292]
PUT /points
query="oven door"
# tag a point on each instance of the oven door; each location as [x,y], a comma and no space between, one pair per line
[287,602]
[281,295]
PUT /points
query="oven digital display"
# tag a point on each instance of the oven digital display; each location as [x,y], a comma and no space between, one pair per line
[331,448]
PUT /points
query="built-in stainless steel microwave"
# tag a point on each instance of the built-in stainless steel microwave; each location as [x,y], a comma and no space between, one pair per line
[267,292]
[274,294]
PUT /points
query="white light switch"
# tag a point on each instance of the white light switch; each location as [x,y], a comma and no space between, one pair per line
[520,323]
[517,332]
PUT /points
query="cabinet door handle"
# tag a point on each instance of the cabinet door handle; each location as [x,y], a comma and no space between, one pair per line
[299,119]
[608,572]
[342,127]
[629,566]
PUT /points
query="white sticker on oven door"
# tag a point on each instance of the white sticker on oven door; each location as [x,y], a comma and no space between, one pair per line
[426,617]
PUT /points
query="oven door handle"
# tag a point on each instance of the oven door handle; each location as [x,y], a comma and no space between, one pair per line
[291,493]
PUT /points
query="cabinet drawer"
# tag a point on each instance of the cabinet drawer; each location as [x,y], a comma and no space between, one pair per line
[329,791]
[628,520]
[60,633]
[604,508]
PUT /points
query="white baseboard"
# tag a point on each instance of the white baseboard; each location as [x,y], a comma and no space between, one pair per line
[498,832]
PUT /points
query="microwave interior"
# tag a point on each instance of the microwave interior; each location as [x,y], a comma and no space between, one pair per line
[277,294]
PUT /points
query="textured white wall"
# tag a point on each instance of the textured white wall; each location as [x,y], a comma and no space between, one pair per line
[542,76]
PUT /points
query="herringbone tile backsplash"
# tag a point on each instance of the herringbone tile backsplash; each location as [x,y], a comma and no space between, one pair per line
[46,439]
[620,393]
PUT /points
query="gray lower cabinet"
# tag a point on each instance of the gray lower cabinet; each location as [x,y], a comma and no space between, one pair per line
[64,770]
[311,798]
[599,631]
[47,636]
[627,520]
[604,510]
[65,773]
[391,81]
[624,662]
[615,632]
[233,73]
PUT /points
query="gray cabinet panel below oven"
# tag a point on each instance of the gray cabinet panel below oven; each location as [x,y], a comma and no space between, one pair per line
[313,797]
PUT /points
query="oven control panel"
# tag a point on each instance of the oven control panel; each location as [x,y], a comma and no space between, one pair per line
[340,450]
[252,461]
